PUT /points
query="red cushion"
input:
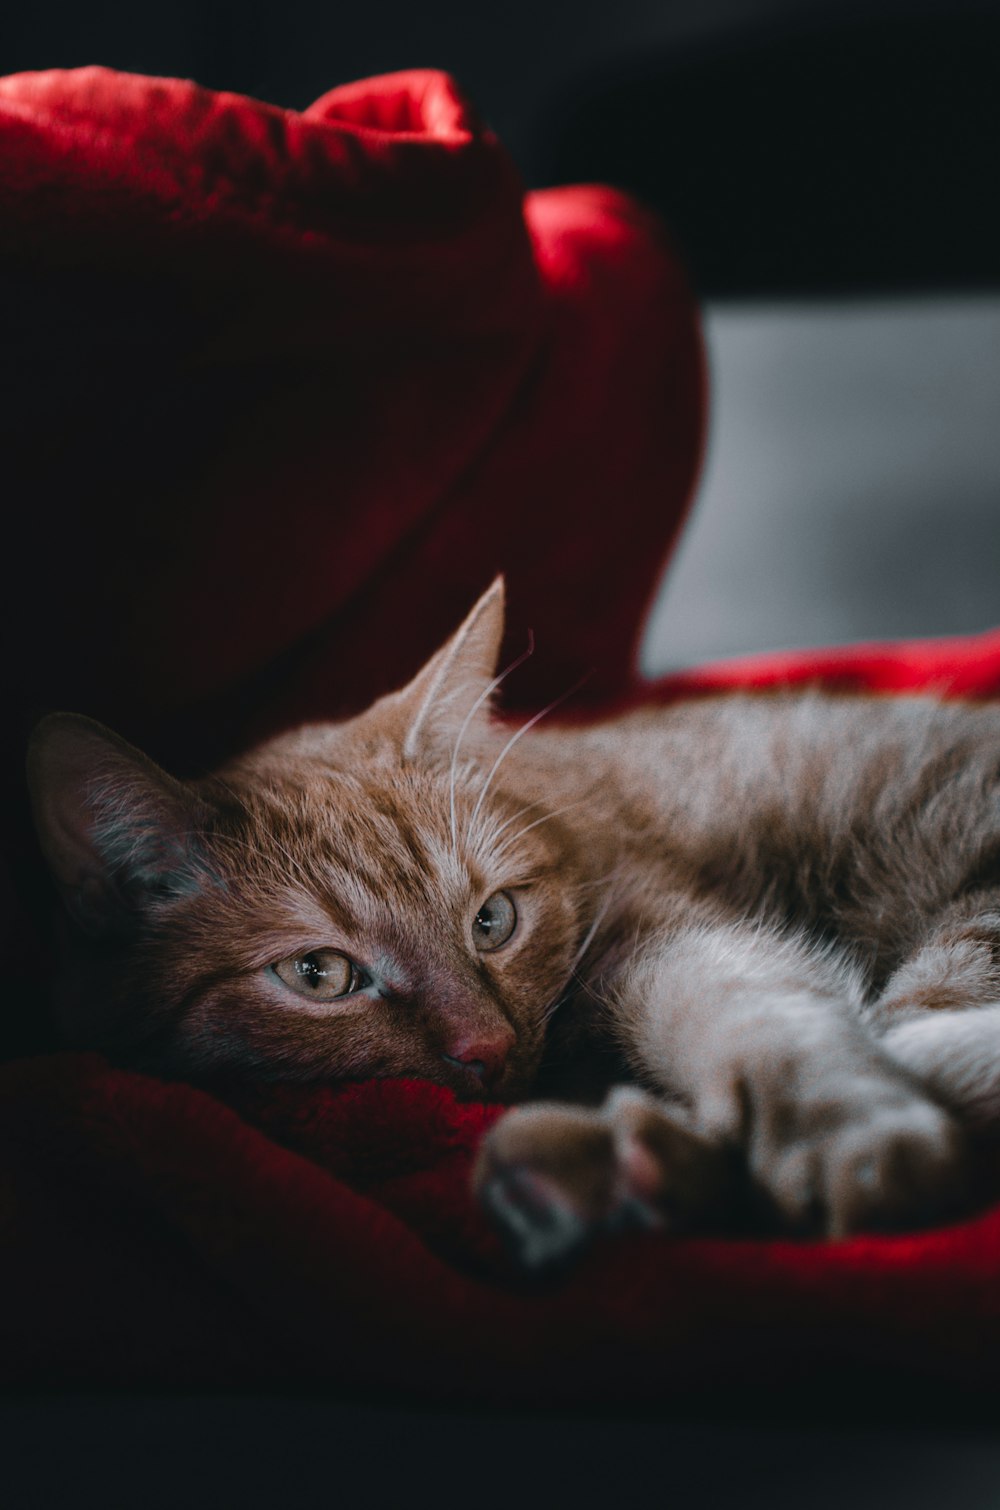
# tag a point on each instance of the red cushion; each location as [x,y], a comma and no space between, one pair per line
[285,390]
[281,394]
[289,390]
[153,1234]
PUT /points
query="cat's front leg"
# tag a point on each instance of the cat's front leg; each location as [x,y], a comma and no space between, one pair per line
[761,1033]
[793,1109]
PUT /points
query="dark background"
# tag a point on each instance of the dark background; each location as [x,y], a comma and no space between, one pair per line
[824,152]
[794,145]
[829,170]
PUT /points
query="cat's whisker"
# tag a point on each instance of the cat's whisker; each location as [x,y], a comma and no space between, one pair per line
[610,875]
[553,1007]
[512,741]
[483,697]
[513,818]
[636,936]
[801,907]
[585,986]
[545,818]
[591,933]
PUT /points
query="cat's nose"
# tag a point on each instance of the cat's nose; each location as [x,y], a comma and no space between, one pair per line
[485,1056]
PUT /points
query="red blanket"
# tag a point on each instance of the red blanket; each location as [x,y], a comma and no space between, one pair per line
[289,389]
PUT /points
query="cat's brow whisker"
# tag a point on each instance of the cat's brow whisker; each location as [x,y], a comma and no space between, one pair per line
[545,818]
[512,741]
[513,818]
[482,698]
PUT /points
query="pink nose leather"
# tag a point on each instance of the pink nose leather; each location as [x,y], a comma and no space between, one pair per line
[485,1055]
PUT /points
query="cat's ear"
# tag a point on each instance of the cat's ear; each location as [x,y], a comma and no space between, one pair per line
[457,682]
[118,833]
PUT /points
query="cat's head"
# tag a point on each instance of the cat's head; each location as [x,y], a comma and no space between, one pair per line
[390,895]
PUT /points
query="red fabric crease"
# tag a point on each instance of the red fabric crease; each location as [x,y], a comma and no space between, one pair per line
[283,391]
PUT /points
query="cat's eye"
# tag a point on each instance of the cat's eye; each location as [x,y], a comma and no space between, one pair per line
[494,923]
[322,974]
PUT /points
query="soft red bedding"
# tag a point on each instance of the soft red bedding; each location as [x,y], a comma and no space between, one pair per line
[283,392]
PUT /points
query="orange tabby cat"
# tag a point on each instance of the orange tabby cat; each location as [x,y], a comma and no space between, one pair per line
[778,916]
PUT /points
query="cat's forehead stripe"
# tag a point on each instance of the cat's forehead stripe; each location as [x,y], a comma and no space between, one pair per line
[362,848]
[387,878]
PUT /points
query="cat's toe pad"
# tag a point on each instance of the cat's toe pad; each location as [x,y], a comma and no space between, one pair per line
[897,1166]
[552,1177]
[902,1170]
[535,1214]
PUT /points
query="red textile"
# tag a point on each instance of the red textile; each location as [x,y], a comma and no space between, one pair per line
[282,391]
[289,389]
[152,1234]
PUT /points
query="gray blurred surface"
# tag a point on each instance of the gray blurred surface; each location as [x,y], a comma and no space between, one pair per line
[852,483]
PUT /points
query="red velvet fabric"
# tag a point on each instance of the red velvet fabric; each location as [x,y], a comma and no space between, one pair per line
[283,391]
[156,1234]
[289,389]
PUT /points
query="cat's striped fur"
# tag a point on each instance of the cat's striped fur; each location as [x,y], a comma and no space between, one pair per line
[779,914]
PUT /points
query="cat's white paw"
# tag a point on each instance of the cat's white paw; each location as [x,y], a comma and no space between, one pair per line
[887,1161]
[554,1176]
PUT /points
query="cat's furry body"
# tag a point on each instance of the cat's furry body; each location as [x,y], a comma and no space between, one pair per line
[782,911]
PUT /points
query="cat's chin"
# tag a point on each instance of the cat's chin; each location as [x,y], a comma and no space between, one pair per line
[465,1085]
